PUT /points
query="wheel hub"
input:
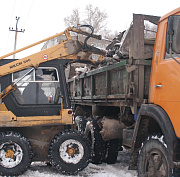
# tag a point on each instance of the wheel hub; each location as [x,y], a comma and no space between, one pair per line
[71,151]
[156,164]
[9,154]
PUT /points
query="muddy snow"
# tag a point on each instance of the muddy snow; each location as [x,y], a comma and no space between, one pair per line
[120,169]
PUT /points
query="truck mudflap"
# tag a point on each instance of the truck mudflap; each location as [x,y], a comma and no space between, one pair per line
[112,129]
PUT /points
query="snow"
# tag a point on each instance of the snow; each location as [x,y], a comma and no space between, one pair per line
[161,139]
[120,169]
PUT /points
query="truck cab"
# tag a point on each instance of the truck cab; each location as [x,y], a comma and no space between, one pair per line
[165,73]
[158,121]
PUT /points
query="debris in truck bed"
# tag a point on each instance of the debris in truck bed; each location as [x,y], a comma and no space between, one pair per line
[107,61]
[123,47]
[81,70]
[76,69]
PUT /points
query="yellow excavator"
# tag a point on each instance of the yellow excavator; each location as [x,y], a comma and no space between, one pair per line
[36,120]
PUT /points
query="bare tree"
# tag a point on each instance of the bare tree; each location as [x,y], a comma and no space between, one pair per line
[74,19]
[93,16]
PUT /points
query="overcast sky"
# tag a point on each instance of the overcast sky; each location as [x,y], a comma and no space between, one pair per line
[44,18]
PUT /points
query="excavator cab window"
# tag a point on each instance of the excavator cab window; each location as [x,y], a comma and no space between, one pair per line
[173,37]
[38,87]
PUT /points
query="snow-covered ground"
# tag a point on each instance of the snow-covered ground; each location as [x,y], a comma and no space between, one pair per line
[120,169]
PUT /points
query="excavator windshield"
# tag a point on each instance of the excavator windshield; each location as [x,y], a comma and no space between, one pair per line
[38,87]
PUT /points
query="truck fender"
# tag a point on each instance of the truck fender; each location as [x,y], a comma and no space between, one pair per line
[160,116]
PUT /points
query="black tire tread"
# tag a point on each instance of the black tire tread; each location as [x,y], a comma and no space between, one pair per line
[56,138]
[112,151]
[98,152]
[151,139]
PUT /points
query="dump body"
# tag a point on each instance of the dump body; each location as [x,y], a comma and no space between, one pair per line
[115,85]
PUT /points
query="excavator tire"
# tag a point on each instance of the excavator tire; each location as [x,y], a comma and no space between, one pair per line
[15,154]
[69,152]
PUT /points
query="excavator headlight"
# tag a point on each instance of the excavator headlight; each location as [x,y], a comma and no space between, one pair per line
[70,112]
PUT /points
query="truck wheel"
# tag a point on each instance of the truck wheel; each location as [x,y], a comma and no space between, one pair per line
[97,144]
[154,159]
[112,151]
[69,152]
[15,154]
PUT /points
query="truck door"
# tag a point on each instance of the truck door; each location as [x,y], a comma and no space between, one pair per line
[165,75]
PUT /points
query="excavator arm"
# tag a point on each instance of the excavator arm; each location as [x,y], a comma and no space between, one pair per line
[66,49]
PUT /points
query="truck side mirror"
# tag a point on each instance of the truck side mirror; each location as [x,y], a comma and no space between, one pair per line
[173,35]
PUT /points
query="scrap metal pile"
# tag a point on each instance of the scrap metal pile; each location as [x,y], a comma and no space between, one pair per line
[134,43]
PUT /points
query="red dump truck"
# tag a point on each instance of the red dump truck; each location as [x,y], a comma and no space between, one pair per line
[134,101]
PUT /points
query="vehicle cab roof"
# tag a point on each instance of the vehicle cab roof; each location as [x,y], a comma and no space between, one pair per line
[174,12]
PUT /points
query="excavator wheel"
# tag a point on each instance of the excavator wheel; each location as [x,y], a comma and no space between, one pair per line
[69,152]
[15,154]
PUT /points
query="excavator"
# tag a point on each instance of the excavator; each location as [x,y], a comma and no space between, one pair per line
[36,119]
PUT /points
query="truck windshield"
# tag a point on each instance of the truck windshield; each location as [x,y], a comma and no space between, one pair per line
[173,37]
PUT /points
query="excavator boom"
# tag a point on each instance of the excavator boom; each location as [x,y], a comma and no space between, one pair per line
[67,49]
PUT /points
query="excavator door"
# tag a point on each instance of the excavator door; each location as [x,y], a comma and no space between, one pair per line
[39,92]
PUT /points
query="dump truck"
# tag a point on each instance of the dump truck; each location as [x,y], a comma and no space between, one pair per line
[133,101]
[36,120]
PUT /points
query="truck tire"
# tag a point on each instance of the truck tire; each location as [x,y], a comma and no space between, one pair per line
[97,144]
[112,151]
[15,154]
[69,152]
[154,159]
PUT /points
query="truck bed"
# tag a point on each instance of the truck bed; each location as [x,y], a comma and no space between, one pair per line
[114,85]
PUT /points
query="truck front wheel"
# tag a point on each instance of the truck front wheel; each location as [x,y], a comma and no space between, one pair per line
[15,154]
[69,152]
[154,159]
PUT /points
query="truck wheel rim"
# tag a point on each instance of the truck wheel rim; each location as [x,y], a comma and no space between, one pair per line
[71,151]
[156,164]
[11,154]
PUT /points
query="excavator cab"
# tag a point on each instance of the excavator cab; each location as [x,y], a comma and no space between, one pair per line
[39,92]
